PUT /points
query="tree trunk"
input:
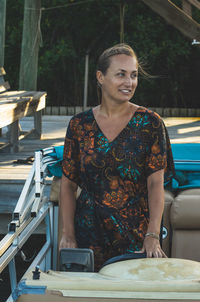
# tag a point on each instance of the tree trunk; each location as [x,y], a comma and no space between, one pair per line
[2,30]
[29,53]
[2,34]
[30,45]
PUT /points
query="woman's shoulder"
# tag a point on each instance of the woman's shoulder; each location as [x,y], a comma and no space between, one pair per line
[78,123]
[82,117]
[150,114]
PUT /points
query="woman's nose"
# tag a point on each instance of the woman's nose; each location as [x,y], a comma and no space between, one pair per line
[128,81]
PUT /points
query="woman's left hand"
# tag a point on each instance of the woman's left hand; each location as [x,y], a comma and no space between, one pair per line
[152,248]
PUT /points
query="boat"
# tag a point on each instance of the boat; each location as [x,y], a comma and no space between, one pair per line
[176,278]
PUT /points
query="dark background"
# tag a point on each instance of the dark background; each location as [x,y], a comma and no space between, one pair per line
[69,32]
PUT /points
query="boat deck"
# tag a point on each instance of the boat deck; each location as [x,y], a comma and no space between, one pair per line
[14,168]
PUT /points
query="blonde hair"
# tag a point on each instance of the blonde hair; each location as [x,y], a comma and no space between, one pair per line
[119,49]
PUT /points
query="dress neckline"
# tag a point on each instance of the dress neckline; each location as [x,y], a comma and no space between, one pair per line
[121,131]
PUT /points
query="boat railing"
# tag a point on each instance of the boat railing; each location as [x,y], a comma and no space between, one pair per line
[32,208]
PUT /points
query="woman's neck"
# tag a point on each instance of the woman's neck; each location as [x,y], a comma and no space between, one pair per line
[114,110]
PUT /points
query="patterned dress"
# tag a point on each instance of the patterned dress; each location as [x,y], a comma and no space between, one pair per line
[112,210]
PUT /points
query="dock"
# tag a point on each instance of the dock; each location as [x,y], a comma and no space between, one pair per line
[14,168]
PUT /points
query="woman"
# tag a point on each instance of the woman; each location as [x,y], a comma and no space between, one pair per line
[117,153]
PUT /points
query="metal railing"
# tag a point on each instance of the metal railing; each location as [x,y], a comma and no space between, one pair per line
[32,208]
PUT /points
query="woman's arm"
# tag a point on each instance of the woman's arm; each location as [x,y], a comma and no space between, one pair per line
[155,186]
[156,206]
[67,210]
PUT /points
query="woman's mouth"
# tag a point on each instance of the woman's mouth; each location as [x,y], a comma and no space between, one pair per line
[126,91]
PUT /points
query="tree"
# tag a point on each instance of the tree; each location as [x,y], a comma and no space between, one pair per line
[69,31]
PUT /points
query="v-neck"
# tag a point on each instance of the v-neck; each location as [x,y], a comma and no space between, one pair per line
[120,132]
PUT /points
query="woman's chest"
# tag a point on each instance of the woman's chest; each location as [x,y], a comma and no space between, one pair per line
[112,129]
[127,150]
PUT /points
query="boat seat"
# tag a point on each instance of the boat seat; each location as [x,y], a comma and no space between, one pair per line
[166,233]
[55,190]
[185,224]
[194,191]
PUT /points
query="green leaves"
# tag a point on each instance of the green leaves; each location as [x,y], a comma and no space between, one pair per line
[69,32]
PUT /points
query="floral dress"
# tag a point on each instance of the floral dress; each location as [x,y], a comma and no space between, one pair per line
[112,210]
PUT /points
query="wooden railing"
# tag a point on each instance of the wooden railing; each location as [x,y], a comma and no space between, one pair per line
[14,105]
[180,18]
[164,112]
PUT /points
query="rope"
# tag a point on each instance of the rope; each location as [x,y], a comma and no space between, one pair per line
[60,6]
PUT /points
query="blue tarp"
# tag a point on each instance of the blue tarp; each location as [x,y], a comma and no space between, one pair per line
[186,156]
[187,166]
[55,169]
[186,161]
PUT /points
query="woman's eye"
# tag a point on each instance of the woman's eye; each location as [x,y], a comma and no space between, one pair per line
[121,74]
[134,75]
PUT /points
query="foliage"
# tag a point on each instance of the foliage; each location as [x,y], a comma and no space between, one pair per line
[13,37]
[69,32]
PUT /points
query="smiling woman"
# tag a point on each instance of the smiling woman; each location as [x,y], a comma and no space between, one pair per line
[110,53]
[118,154]
[118,85]
[120,81]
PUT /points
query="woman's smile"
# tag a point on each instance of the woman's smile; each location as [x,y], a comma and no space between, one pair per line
[125,91]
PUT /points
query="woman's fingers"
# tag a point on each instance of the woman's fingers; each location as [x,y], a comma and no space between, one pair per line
[152,248]
[158,253]
[163,254]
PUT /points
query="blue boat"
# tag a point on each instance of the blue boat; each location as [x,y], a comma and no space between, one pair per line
[176,278]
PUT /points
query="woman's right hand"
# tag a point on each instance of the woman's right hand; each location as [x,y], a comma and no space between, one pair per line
[67,242]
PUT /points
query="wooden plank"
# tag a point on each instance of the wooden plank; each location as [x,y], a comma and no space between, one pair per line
[38,124]
[196,3]
[2,71]
[14,134]
[187,7]
[3,146]
[24,134]
[176,17]
[18,172]
[12,109]
[4,86]
[52,296]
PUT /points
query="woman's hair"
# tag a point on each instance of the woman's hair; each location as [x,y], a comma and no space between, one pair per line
[119,49]
[104,61]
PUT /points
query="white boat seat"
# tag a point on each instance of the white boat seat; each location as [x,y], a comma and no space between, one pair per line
[185,223]
[148,280]
[166,236]
[55,190]
[194,191]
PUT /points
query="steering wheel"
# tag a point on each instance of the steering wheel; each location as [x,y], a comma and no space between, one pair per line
[125,257]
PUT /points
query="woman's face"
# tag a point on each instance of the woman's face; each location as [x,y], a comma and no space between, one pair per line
[121,79]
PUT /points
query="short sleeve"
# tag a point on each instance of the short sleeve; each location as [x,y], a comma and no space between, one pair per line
[71,155]
[160,154]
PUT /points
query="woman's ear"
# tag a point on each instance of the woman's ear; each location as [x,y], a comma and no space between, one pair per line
[99,76]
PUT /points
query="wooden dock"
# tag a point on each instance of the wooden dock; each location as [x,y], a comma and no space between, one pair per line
[14,168]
